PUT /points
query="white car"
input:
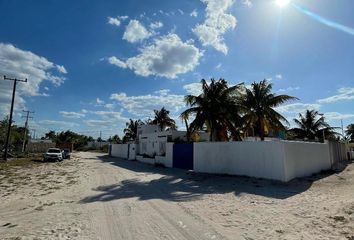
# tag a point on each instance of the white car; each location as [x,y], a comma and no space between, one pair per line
[53,154]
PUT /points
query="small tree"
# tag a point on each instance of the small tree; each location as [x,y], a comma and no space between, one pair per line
[131,130]
[115,139]
[163,120]
[312,126]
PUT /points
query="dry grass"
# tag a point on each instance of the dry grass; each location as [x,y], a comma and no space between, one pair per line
[30,172]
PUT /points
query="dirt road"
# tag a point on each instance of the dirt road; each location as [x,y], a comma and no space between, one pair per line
[129,202]
[93,196]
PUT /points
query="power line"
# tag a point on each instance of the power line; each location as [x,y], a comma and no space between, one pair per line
[26,125]
[15,80]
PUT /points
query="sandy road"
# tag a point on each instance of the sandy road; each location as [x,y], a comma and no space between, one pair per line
[122,204]
[93,196]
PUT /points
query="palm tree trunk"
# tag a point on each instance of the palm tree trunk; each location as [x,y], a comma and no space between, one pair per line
[188,130]
[211,133]
[261,128]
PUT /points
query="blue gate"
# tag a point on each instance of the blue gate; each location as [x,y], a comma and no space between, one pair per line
[183,156]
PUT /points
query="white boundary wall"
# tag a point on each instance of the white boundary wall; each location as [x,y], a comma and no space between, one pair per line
[303,159]
[132,151]
[166,160]
[254,159]
[271,160]
[120,150]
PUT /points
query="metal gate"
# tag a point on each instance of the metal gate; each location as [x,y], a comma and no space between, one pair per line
[183,156]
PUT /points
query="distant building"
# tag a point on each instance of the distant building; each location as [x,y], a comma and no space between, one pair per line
[152,141]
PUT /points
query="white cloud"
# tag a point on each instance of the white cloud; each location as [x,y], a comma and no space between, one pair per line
[180,11]
[167,57]
[110,115]
[279,76]
[248,3]
[57,124]
[217,22]
[163,91]
[17,63]
[111,119]
[109,106]
[156,25]
[61,69]
[194,13]
[115,61]
[72,114]
[135,32]
[297,108]
[346,93]
[116,21]
[288,89]
[193,88]
[99,101]
[338,116]
[99,123]
[144,105]
[218,66]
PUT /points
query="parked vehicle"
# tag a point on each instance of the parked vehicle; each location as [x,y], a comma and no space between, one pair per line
[53,154]
[66,153]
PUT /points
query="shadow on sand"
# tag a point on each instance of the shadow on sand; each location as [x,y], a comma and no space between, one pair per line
[180,185]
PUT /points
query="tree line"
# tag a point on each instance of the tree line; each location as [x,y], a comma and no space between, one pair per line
[235,112]
[17,135]
[227,113]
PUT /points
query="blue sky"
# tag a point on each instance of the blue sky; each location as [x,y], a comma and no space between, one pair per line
[92,66]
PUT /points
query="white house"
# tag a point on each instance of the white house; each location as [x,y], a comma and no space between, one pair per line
[152,141]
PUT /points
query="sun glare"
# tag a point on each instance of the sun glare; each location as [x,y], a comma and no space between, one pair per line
[282,3]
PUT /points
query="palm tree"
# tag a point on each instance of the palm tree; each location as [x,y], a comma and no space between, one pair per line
[215,109]
[115,139]
[350,131]
[163,120]
[312,125]
[51,135]
[130,132]
[258,105]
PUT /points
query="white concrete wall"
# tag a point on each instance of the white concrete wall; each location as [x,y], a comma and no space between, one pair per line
[254,159]
[120,150]
[351,155]
[278,160]
[304,158]
[152,143]
[166,160]
[132,151]
[146,160]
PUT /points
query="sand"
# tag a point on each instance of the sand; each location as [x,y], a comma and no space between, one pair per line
[92,196]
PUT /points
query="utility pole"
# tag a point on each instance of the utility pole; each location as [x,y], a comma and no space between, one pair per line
[26,126]
[15,80]
[341,121]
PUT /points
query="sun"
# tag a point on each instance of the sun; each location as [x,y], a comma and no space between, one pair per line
[282,3]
